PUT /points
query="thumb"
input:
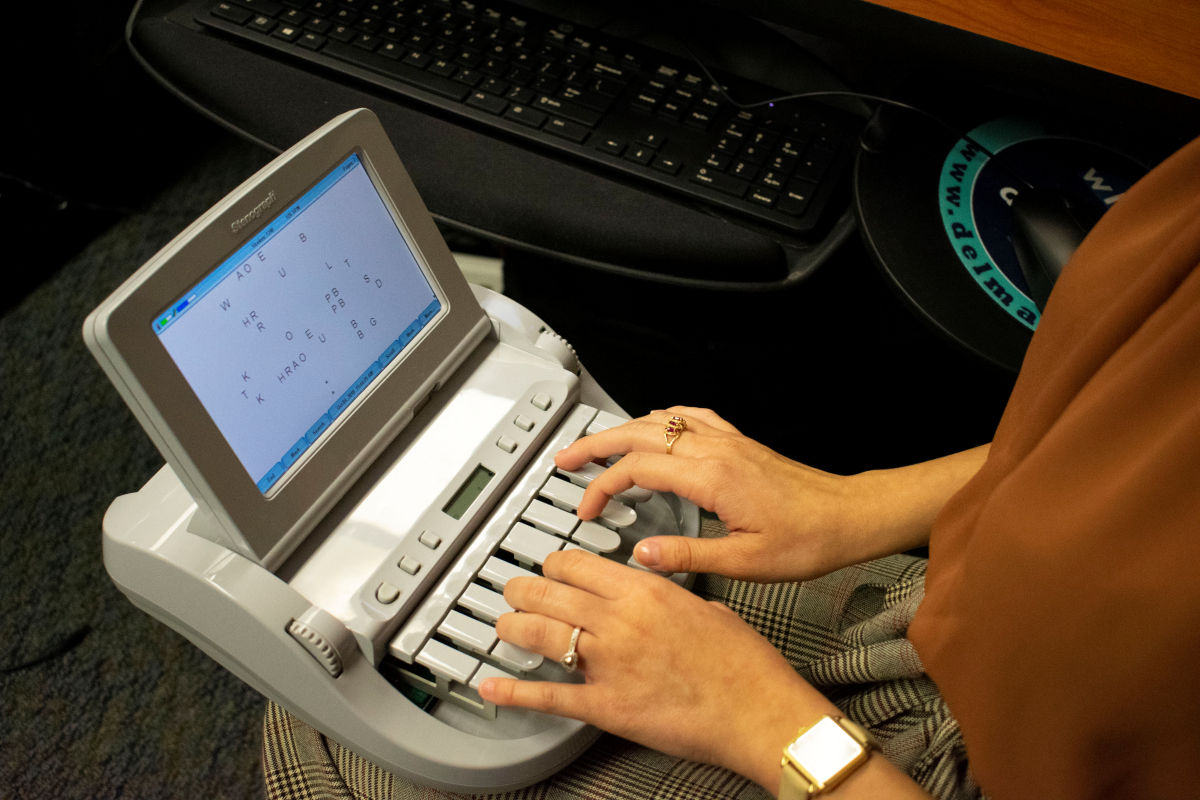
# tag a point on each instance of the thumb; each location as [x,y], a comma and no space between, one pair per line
[685,554]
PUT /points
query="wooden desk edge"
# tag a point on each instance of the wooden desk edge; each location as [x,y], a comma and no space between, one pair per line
[1149,41]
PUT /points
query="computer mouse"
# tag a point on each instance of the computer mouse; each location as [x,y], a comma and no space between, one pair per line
[1047,229]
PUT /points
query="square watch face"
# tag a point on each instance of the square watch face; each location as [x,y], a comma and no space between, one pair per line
[823,750]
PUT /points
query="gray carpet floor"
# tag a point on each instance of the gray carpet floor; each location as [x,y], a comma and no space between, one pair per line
[97,700]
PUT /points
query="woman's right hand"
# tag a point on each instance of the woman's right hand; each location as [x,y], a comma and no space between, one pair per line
[786,521]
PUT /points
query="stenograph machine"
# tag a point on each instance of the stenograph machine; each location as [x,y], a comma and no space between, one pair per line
[359,454]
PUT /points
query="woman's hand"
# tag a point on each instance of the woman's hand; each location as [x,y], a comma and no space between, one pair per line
[663,667]
[786,521]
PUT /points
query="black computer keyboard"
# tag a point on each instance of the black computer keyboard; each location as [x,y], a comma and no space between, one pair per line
[616,105]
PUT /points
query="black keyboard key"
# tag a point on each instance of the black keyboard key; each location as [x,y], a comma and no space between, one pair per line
[672,111]
[522,76]
[288,33]
[392,50]
[613,147]
[262,24]
[232,12]
[728,144]
[739,127]
[311,41]
[419,41]
[726,184]
[782,164]
[544,84]
[551,69]
[567,110]
[487,102]
[754,153]
[790,146]
[698,118]
[494,86]
[525,115]
[812,167]
[640,155]
[567,130]
[766,138]
[469,58]
[579,44]
[671,166]
[795,200]
[605,86]
[495,67]
[369,24]
[516,24]
[442,67]
[589,100]
[367,41]
[683,97]
[652,139]
[269,8]
[520,95]
[773,179]
[400,70]
[744,169]
[415,58]
[468,76]
[615,72]
[646,101]
[763,197]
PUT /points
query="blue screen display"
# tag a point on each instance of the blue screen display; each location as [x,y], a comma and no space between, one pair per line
[280,339]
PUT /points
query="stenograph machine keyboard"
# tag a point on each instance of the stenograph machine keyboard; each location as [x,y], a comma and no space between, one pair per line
[360,454]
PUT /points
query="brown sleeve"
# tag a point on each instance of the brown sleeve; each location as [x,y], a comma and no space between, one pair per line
[1062,615]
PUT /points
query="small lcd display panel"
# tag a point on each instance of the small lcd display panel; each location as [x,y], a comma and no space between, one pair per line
[471,488]
[282,337]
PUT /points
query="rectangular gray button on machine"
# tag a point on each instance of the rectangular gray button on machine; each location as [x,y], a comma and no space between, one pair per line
[468,632]
[444,661]
[484,602]
[529,544]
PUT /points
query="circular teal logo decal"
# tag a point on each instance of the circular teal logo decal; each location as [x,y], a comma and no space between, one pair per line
[976,189]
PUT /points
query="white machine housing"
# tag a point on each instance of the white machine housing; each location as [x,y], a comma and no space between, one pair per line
[302,615]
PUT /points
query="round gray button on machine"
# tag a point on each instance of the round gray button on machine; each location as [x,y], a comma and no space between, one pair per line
[386,593]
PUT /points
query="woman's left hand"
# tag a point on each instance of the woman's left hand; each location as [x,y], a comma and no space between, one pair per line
[663,667]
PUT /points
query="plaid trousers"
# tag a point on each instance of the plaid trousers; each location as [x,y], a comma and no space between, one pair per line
[843,632]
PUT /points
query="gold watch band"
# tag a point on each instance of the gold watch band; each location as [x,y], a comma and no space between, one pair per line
[821,756]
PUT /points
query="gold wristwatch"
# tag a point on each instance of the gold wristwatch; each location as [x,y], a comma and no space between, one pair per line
[822,756]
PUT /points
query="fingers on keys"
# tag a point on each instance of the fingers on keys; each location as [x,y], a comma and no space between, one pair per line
[641,434]
[642,463]
[563,699]
[537,633]
[573,580]
[659,473]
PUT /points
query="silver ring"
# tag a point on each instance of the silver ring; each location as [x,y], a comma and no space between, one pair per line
[570,660]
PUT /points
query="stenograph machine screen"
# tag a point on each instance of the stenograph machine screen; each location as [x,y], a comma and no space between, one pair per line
[281,338]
